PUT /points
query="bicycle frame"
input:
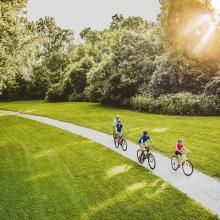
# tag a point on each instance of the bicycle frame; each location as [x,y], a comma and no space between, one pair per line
[147,150]
[183,157]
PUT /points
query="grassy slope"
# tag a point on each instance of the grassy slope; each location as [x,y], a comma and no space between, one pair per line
[47,173]
[201,134]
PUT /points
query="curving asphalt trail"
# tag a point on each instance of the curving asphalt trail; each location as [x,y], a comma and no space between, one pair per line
[200,187]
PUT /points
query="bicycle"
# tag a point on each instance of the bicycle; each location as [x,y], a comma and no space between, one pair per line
[186,165]
[120,141]
[142,155]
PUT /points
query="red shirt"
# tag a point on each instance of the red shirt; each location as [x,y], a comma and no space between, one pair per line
[179,147]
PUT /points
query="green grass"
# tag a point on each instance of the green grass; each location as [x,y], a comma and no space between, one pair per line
[48,173]
[201,134]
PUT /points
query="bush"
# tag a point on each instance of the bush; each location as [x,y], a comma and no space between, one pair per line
[177,104]
[54,93]
[77,97]
[143,103]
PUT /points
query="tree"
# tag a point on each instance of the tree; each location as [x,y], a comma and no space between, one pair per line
[176,73]
[54,40]
[128,66]
[18,43]
[176,19]
[213,87]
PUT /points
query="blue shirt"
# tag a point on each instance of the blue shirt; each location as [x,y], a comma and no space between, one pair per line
[119,127]
[143,139]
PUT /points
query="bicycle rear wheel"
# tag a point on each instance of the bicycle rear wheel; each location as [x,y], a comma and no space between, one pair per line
[174,163]
[187,167]
[140,156]
[151,161]
[124,145]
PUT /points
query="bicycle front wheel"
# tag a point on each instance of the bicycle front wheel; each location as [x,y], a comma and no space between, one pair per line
[124,145]
[187,168]
[140,156]
[151,161]
[116,142]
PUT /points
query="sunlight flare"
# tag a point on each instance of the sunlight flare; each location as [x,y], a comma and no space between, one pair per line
[118,169]
[136,186]
[205,39]
[197,23]
[216,5]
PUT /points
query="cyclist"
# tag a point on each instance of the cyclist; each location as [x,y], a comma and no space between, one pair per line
[179,150]
[142,141]
[118,127]
[115,123]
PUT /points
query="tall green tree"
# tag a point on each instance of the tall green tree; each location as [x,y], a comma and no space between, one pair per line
[17,42]
[56,43]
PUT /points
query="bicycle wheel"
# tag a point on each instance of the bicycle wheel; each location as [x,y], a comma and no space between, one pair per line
[124,145]
[187,167]
[151,161]
[116,142]
[174,163]
[140,156]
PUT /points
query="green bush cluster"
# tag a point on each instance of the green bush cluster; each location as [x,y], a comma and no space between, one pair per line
[177,104]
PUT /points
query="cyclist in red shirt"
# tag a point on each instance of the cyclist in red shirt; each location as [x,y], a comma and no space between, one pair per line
[179,150]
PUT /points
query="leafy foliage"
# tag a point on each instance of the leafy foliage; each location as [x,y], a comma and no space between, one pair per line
[131,58]
[178,104]
[18,43]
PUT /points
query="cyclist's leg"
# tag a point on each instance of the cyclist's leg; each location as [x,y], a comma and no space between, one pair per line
[141,147]
[117,136]
[120,137]
[146,147]
[114,131]
[179,157]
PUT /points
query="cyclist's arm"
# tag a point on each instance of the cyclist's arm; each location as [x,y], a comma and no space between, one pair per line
[152,142]
[186,149]
[114,123]
[176,148]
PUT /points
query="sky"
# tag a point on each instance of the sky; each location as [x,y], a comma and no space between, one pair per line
[79,14]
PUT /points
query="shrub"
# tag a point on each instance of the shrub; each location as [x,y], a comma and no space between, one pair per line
[177,104]
[77,97]
[143,103]
[54,93]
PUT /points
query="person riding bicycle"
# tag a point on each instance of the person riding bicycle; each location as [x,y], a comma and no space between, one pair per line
[142,141]
[118,127]
[179,150]
[116,122]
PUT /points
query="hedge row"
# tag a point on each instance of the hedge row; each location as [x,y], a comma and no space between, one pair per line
[178,104]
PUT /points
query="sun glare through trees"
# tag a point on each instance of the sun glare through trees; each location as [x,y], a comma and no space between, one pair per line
[203,28]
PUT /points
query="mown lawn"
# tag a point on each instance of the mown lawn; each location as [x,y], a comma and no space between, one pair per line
[201,134]
[48,173]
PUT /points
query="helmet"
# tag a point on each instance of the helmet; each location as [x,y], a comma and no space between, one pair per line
[145,132]
[180,140]
[117,116]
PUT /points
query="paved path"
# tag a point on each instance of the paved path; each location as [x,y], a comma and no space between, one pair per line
[200,187]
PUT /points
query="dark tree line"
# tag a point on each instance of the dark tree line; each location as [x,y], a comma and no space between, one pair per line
[133,62]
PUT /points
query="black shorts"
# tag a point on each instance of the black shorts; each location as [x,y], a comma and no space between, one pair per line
[177,153]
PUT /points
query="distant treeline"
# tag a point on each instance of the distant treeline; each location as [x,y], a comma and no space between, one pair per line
[133,63]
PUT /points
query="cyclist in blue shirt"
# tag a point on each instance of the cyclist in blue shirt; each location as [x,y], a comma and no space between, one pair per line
[143,139]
